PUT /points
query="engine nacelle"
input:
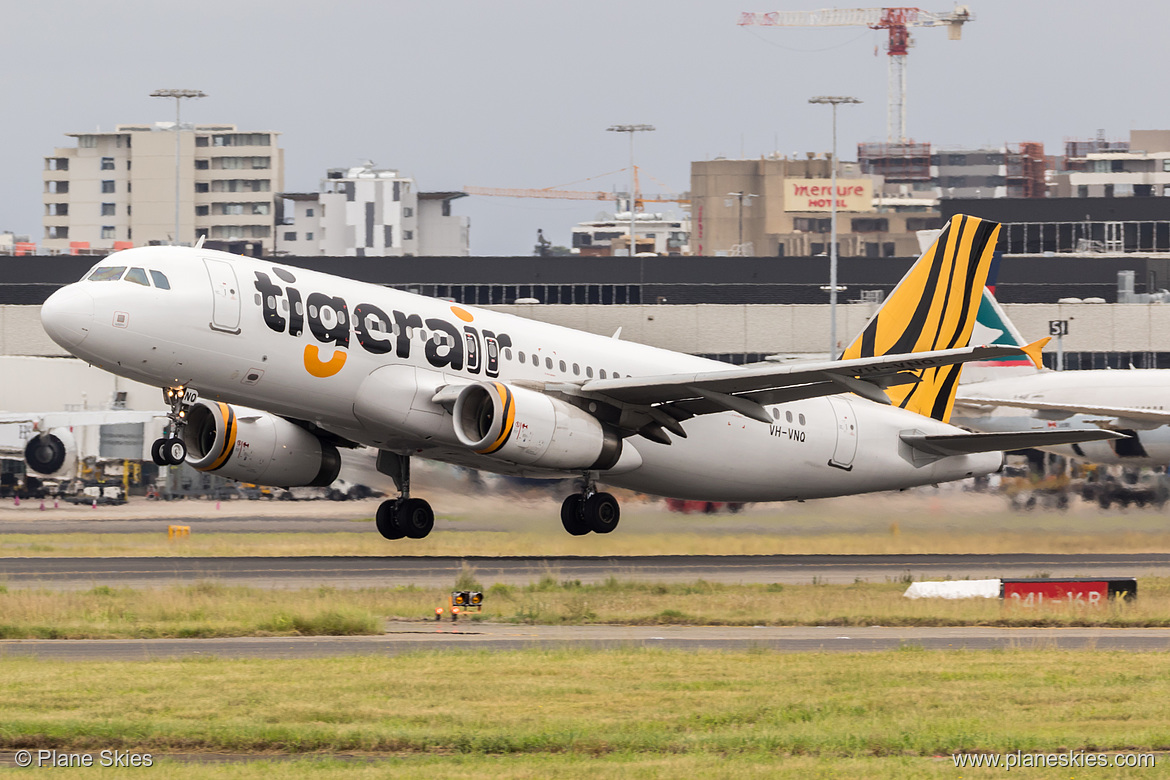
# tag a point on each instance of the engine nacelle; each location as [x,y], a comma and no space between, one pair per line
[254,446]
[532,429]
[51,453]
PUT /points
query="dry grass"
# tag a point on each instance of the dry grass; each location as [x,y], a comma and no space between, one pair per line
[210,609]
[527,523]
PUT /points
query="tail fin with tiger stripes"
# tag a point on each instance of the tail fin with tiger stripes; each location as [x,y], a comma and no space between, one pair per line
[933,307]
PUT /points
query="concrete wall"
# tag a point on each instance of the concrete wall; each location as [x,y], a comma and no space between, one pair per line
[797,328]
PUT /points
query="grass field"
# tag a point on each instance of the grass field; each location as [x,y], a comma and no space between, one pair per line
[624,713]
[209,609]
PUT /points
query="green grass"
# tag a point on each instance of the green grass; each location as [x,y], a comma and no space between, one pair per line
[621,706]
[618,766]
[211,609]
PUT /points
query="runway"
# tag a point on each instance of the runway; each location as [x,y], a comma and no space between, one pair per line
[379,571]
[496,637]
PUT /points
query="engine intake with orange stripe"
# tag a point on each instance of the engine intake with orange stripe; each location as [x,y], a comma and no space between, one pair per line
[528,428]
[253,446]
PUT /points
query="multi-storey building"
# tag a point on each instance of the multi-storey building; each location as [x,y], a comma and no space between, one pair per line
[118,189]
[778,206]
[1105,169]
[371,212]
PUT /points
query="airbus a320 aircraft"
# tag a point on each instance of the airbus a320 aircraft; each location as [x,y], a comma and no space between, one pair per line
[1131,401]
[269,369]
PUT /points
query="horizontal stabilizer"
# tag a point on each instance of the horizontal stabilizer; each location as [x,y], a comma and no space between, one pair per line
[970,443]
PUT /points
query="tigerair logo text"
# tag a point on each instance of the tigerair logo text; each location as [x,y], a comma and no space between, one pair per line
[451,346]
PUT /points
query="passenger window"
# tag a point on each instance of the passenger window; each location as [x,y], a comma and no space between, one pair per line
[523,358]
[576,370]
[138,276]
[507,354]
[160,280]
[589,371]
[788,416]
[801,418]
[563,367]
[536,360]
[108,274]
[548,363]
[601,373]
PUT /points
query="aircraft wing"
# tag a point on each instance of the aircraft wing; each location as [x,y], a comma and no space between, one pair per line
[1148,416]
[969,443]
[43,421]
[744,390]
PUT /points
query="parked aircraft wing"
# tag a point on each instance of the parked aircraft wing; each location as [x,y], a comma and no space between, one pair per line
[43,421]
[1121,413]
[970,443]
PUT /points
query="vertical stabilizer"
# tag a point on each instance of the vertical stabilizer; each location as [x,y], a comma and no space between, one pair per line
[933,307]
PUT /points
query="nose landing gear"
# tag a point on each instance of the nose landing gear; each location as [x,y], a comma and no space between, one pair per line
[171,450]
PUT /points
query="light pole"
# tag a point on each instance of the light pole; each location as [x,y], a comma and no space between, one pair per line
[631,129]
[178,95]
[834,101]
[741,196]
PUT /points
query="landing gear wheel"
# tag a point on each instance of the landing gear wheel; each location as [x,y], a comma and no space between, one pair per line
[571,517]
[601,512]
[174,450]
[156,452]
[387,520]
[416,517]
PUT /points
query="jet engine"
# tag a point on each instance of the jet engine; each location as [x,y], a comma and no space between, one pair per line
[51,453]
[254,446]
[529,428]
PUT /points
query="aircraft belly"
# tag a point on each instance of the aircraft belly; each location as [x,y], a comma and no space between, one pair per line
[727,457]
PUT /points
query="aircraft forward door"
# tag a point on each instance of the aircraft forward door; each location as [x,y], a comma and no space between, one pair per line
[846,419]
[225,296]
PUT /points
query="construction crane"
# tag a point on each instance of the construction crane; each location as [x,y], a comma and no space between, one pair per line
[552,192]
[896,21]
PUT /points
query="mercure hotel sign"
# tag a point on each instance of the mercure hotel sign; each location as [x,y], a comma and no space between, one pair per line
[817,195]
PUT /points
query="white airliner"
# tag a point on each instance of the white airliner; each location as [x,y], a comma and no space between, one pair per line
[1132,401]
[317,362]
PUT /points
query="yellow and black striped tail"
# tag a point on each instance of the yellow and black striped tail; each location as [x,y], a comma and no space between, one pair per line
[933,307]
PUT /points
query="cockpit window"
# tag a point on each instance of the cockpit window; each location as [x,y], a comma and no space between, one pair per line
[107,274]
[160,280]
[138,276]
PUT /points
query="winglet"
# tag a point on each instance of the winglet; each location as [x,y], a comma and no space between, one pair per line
[1033,350]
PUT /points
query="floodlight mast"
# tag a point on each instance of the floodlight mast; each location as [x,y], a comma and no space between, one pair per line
[178,95]
[834,101]
[631,129]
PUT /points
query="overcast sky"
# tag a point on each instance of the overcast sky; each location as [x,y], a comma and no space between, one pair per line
[518,94]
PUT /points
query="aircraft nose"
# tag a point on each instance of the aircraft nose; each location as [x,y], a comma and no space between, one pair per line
[67,315]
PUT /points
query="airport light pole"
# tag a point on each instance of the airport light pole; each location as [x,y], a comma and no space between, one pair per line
[631,129]
[834,101]
[178,95]
[741,196]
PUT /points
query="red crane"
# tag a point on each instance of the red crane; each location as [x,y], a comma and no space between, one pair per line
[896,20]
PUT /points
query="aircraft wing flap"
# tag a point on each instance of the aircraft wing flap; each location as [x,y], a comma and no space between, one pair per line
[970,443]
[769,376]
[1157,416]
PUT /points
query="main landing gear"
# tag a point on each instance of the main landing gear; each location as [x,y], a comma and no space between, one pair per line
[404,516]
[590,510]
[171,450]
